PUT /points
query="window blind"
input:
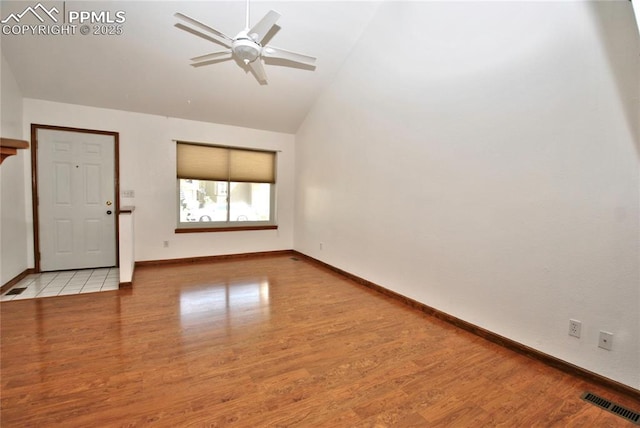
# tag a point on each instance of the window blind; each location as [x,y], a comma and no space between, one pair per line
[214,163]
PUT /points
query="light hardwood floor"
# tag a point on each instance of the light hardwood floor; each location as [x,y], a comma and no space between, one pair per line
[267,341]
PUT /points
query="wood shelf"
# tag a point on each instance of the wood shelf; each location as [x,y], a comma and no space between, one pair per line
[10,146]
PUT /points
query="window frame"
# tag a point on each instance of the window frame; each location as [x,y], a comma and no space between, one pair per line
[228,225]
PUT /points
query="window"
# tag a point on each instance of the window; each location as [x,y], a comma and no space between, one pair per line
[225,188]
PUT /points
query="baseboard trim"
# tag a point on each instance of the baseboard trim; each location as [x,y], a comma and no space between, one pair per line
[15,280]
[206,259]
[486,334]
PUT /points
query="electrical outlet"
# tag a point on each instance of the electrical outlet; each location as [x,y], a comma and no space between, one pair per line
[606,340]
[575,327]
[165,244]
[321,246]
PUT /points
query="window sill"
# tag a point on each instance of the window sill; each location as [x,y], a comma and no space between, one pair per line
[224,229]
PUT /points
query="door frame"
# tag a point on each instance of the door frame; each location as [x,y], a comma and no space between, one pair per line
[34,183]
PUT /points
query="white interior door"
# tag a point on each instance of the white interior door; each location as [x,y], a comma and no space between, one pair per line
[76,190]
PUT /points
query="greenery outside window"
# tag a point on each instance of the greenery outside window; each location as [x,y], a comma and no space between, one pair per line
[225,188]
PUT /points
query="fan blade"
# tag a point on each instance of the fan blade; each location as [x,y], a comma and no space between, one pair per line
[221,37]
[199,34]
[273,52]
[214,55]
[258,69]
[258,31]
[210,61]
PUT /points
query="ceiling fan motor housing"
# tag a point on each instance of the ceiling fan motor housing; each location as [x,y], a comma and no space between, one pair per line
[246,49]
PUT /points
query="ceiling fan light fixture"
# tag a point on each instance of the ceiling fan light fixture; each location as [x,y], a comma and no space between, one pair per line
[246,47]
[246,50]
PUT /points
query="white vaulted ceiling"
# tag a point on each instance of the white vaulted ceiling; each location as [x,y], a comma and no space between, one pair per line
[146,68]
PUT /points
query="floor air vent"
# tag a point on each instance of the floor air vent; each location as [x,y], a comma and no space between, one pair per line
[295,259]
[15,291]
[612,407]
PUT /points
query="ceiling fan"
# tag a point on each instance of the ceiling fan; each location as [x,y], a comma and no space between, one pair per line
[246,47]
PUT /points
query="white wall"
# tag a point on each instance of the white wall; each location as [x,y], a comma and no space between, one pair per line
[13,229]
[482,158]
[636,9]
[148,167]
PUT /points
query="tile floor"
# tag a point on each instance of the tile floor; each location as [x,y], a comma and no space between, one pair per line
[64,283]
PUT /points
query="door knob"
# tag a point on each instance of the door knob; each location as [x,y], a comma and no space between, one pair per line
[109,212]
